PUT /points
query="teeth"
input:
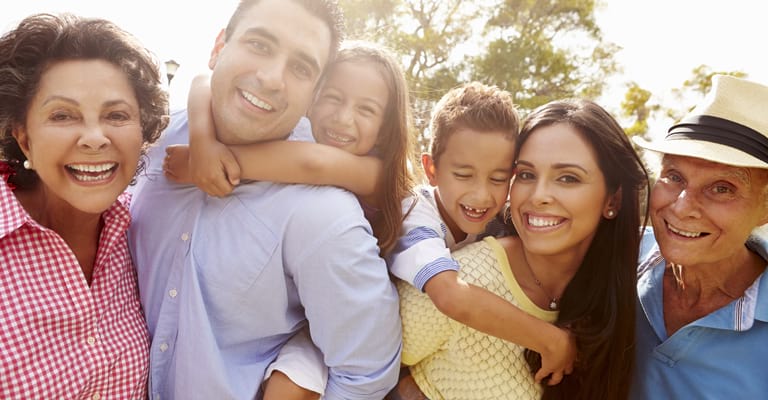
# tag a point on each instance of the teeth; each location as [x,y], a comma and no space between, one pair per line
[474,212]
[92,172]
[91,167]
[256,101]
[338,138]
[542,222]
[684,233]
[92,178]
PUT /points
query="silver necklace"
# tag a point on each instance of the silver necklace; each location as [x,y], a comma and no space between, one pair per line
[553,300]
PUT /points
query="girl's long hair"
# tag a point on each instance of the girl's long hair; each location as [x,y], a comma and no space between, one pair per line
[394,145]
[598,305]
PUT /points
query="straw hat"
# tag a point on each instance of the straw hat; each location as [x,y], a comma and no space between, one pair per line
[729,127]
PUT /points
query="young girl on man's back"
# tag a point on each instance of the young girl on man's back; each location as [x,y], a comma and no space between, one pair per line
[362,109]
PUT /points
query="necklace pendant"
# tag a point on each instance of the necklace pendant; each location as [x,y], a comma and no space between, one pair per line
[553,305]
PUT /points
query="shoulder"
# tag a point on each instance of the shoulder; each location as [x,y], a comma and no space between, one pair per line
[302,132]
[488,250]
[319,206]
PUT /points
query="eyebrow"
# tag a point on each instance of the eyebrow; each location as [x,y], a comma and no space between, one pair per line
[555,166]
[108,103]
[304,56]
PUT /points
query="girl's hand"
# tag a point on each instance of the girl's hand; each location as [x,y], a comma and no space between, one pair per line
[176,163]
[559,358]
[214,169]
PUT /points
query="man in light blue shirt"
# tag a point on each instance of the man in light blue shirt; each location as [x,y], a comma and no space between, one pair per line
[225,282]
[723,355]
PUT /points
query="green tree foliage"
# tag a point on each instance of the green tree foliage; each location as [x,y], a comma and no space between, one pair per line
[635,106]
[695,88]
[544,50]
[539,50]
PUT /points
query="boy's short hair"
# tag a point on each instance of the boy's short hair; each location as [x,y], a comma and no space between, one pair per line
[473,106]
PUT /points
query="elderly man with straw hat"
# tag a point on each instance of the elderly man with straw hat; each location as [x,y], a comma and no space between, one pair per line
[702,329]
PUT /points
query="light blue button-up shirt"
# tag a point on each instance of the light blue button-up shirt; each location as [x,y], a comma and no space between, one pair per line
[225,282]
[723,355]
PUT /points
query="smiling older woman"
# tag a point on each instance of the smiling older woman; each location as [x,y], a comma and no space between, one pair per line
[703,325]
[80,99]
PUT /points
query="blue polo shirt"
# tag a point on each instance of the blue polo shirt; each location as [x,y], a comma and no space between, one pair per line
[723,355]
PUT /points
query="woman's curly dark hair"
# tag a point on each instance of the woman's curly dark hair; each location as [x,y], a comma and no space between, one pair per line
[42,40]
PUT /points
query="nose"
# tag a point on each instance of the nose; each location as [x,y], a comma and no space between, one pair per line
[482,193]
[93,138]
[271,75]
[686,205]
[343,115]
[542,194]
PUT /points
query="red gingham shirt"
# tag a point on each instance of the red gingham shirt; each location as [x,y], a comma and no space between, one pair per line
[60,338]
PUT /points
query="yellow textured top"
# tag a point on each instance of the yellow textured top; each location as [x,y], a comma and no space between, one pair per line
[452,361]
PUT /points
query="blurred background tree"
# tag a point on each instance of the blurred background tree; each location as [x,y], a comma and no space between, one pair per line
[539,50]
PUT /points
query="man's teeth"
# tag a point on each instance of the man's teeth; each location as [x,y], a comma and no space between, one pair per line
[684,233]
[474,212]
[256,101]
[542,222]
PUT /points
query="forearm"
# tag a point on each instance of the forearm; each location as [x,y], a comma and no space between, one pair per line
[487,312]
[308,163]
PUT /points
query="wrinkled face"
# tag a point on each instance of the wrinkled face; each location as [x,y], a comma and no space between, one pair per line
[472,179]
[702,212]
[558,195]
[264,75]
[350,108]
[83,134]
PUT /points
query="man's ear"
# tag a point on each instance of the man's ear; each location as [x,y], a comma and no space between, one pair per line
[613,205]
[221,40]
[429,168]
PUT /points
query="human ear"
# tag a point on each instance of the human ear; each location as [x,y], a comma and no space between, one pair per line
[221,40]
[613,205]
[429,168]
[20,134]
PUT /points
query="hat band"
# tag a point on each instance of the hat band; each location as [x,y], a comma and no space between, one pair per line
[721,131]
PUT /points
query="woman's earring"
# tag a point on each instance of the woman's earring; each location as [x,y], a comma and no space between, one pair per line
[27,164]
[611,213]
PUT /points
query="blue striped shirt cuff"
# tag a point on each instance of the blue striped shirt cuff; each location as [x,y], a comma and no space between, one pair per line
[432,269]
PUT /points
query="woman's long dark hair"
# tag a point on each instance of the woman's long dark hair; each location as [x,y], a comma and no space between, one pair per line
[598,305]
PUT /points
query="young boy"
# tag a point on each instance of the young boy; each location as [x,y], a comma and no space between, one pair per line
[469,170]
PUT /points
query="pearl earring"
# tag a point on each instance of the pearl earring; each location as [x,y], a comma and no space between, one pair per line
[27,164]
[611,213]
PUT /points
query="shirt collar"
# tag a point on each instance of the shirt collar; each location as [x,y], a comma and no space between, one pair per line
[738,315]
[13,215]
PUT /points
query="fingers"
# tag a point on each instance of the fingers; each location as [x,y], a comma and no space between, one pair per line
[555,378]
[231,169]
[541,374]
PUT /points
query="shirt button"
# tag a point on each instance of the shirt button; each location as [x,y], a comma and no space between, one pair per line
[91,340]
[96,396]
[172,293]
[164,347]
[185,236]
